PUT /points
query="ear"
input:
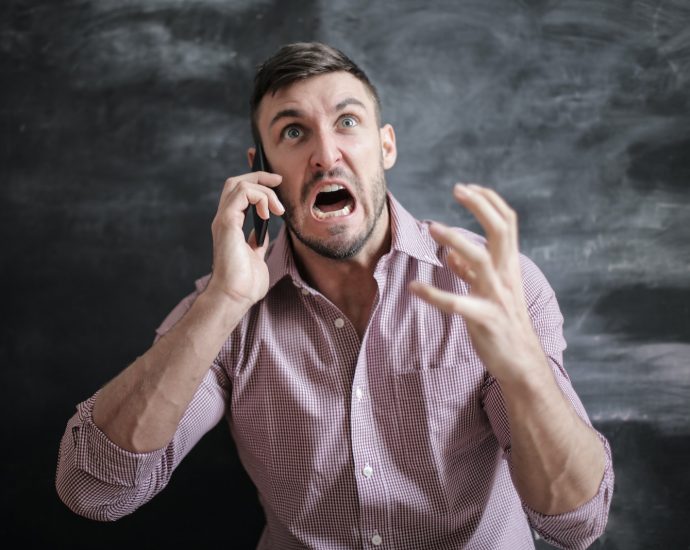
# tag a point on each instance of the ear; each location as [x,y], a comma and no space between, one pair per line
[389,149]
[250,155]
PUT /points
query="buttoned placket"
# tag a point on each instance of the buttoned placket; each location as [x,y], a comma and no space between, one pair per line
[371,492]
[371,487]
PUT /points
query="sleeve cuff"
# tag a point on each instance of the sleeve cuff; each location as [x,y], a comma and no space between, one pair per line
[100,457]
[583,524]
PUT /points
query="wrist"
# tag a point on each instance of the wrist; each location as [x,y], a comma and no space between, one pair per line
[225,297]
[532,390]
[227,308]
[527,367]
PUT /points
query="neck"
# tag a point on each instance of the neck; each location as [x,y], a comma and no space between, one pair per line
[349,284]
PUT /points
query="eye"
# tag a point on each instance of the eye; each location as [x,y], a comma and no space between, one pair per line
[348,122]
[292,132]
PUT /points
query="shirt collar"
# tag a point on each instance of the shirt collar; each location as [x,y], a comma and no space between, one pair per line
[408,236]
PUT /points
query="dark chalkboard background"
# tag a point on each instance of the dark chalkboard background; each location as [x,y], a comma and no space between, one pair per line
[121,119]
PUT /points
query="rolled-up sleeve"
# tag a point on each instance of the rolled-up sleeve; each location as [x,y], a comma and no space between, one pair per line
[578,528]
[97,479]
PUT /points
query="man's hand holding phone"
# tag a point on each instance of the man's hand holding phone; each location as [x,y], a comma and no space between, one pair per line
[239,270]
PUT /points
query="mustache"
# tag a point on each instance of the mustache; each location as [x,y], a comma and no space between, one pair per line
[336,173]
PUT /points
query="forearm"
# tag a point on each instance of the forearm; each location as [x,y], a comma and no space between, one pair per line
[557,460]
[140,409]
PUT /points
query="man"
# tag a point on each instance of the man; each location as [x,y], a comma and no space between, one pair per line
[389,383]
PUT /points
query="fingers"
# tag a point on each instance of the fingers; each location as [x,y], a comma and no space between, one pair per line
[461,268]
[489,194]
[447,236]
[498,220]
[469,261]
[242,191]
[470,307]
[264,178]
[486,269]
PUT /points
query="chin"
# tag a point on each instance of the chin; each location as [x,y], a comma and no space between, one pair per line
[334,249]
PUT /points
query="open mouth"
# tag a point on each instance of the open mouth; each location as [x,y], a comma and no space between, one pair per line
[332,201]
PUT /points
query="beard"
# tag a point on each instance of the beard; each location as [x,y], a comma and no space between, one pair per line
[345,248]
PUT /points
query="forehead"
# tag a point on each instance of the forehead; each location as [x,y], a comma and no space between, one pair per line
[314,95]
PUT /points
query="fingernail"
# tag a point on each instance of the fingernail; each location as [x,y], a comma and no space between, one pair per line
[462,189]
[435,226]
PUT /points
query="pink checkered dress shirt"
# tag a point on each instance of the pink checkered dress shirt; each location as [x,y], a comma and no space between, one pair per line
[399,440]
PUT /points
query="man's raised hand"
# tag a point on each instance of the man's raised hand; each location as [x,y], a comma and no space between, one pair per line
[495,309]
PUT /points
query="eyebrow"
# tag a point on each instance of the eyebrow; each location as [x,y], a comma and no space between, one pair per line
[285,113]
[349,101]
[296,113]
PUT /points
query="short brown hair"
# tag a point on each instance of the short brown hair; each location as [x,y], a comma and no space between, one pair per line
[299,61]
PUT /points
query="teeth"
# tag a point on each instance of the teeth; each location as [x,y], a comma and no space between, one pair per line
[324,215]
[331,187]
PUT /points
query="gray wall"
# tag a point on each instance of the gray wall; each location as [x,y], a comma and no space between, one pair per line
[121,119]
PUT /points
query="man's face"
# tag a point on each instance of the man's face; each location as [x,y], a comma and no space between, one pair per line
[321,134]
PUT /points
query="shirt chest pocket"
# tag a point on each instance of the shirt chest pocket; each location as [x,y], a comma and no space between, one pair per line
[439,414]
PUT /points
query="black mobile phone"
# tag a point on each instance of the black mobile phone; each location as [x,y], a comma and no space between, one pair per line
[260,225]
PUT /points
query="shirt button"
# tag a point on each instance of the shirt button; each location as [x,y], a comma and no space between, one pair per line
[305,291]
[359,393]
[339,323]
[376,540]
[367,471]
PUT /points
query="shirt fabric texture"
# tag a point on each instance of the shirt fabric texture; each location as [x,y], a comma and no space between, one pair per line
[400,440]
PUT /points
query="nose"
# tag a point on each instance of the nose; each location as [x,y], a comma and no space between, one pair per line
[326,153]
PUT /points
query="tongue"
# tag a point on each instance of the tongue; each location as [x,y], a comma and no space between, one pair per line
[333,207]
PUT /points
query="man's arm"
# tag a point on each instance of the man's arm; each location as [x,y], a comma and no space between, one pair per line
[140,409]
[557,459]
[120,448]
